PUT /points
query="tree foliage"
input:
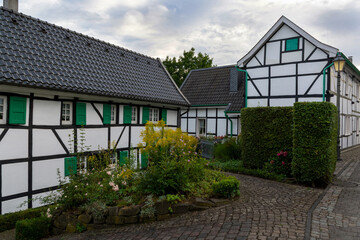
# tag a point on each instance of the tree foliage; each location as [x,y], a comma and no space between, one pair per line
[179,68]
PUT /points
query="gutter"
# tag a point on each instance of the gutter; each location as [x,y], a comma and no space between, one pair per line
[323,94]
[246,80]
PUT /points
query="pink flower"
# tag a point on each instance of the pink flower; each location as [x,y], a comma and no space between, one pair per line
[195,153]
[278,154]
[116,188]
[108,173]
[101,185]
[86,194]
[188,160]
[111,184]
[285,154]
[283,163]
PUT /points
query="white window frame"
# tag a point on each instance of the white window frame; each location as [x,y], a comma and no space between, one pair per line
[358,125]
[154,114]
[67,122]
[347,125]
[198,130]
[4,112]
[134,114]
[113,114]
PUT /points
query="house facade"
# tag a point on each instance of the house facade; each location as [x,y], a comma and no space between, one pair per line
[62,93]
[289,65]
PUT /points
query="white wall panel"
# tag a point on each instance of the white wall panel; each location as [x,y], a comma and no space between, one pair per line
[221,127]
[14,144]
[284,32]
[124,141]
[257,102]
[253,63]
[67,136]
[192,113]
[114,135]
[192,123]
[37,197]
[311,67]
[251,90]
[211,112]
[45,173]
[310,99]
[171,117]
[304,83]
[261,84]
[211,123]
[184,112]
[184,124]
[318,54]
[295,56]
[288,69]
[14,178]
[235,124]
[282,102]
[317,88]
[45,143]
[94,138]
[13,205]
[92,118]
[261,72]
[308,49]
[221,112]
[1,130]
[46,112]
[201,112]
[283,86]
[121,114]
[135,135]
[260,55]
[272,53]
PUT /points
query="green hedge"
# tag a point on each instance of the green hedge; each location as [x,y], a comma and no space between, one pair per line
[32,229]
[8,221]
[315,141]
[227,187]
[265,132]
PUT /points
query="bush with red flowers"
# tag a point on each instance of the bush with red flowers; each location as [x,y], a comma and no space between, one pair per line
[280,164]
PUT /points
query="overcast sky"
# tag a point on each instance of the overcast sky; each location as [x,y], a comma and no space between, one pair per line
[224,29]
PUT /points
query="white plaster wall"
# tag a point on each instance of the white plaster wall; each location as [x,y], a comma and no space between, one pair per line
[221,127]
[304,83]
[201,112]
[14,178]
[92,118]
[36,198]
[221,112]
[317,88]
[310,99]
[295,56]
[257,102]
[308,49]
[183,111]
[183,124]
[272,52]
[261,84]
[14,144]
[260,55]
[135,135]
[283,86]
[192,113]
[171,117]
[46,112]
[121,114]
[318,54]
[115,133]
[282,102]
[311,67]
[95,138]
[191,127]
[235,128]
[45,173]
[211,123]
[211,112]
[13,205]
[288,69]
[1,130]
[124,141]
[67,136]
[45,143]
[261,72]
[253,63]
[284,32]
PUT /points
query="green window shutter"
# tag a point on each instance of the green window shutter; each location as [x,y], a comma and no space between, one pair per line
[70,166]
[145,115]
[122,157]
[107,113]
[144,160]
[80,113]
[292,44]
[17,110]
[164,115]
[127,114]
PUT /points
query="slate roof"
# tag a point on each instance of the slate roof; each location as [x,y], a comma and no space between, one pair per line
[35,53]
[212,86]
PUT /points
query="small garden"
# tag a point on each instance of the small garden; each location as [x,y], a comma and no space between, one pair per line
[176,180]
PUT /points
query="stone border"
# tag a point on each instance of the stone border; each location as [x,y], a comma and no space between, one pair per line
[97,217]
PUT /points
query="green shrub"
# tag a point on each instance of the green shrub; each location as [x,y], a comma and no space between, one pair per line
[227,187]
[8,221]
[229,149]
[265,131]
[315,141]
[32,229]
[280,164]
[227,166]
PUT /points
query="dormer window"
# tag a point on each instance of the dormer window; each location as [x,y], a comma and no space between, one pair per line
[292,44]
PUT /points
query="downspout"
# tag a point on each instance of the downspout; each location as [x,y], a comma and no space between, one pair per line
[231,123]
[246,80]
[323,95]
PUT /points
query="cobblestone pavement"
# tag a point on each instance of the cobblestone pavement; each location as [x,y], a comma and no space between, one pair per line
[265,210]
[337,216]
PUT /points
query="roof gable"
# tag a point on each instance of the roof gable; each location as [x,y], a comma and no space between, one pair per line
[38,54]
[277,31]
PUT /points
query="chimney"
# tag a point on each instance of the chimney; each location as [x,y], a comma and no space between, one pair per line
[11,4]
[350,58]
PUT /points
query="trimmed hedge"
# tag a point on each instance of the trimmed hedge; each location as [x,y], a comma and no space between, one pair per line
[227,187]
[265,132]
[32,229]
[8,221]
[315,142]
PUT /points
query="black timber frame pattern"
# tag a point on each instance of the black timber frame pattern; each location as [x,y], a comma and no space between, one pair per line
[30,127]
[296,75]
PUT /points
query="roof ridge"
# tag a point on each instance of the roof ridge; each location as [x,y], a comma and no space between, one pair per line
[78,33]
[210,68]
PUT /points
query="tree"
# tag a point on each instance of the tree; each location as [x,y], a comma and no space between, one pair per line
[179,68]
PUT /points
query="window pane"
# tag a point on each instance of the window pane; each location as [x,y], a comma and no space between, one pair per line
[1,116]
[292,44]
[1,108]
[1,101]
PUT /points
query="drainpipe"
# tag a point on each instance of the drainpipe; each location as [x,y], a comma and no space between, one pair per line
[246,80]
[323,95]
[231,123]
